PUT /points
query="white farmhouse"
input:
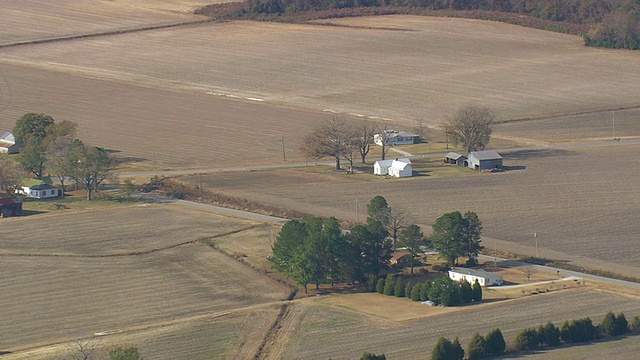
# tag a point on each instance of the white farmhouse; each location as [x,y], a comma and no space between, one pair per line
[396,167]
[484,278]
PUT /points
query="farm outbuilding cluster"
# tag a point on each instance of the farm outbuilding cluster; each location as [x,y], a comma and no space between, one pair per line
[484,278]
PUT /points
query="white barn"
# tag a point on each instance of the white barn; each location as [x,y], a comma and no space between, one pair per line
[396,167]
[484,278]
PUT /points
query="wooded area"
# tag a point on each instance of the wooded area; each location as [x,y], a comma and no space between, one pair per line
[607,23]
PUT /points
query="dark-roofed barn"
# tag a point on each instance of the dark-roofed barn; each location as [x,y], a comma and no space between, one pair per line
[10,206]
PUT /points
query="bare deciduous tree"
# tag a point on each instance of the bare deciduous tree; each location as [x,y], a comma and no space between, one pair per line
[11,174]
[527,271]
[397,221]
[383,135]
[471,126]
[328,139]
[364,138]
[83,350]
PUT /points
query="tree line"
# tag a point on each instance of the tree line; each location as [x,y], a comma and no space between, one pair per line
[532,338]
[610,23]
[53,148]
[317,251]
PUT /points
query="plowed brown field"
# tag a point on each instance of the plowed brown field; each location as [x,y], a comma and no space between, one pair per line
[167,96]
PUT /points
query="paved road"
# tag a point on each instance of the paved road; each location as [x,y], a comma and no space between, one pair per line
[303,164]
[563,272]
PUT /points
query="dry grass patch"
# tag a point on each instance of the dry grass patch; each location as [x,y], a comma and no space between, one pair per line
[251,246]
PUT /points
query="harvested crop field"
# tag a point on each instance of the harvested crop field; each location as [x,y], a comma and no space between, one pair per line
[289,77]
[25,20]
[72,298]
[234,335]
[122,270]
[319,329]
[581,202]
[113,231]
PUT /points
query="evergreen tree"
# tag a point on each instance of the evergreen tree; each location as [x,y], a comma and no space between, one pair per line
[458,352]
[477,348]
[495,343]
[527,340]
[424,290]
[476,291]
[412,239]
[370,356]
[609,324]
[415,292]
[390,285]
[622,325]
[399,288]
[380,286]
[407,289]
[378,209]
[466,292]
[552,334]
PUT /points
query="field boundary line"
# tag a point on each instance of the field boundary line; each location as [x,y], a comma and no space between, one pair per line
[134,253]
[108,32]
[272,333]
[549,117]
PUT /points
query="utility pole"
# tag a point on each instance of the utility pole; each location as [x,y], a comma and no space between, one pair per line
[535,236]
[200,185]
[357,220]
[613,131]
[446,136]
[284,155]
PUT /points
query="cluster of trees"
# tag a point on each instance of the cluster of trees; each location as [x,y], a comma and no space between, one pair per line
[611,23]
[315,251]
[342,140]
[442,291]
[54,148]
[456,235]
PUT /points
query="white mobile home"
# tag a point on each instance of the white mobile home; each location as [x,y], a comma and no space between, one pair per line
[484,278]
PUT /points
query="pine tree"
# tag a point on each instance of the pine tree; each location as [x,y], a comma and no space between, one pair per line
[399,288]
[415,292]
[476,291]
[495,343]
[477,347]
[380,286]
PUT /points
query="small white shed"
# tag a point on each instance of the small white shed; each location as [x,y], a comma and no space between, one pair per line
[484,278]
[401,168]
[381,167]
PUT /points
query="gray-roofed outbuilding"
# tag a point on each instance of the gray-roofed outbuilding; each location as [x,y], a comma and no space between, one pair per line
[485,160]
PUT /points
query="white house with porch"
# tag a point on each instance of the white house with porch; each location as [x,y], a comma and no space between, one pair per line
[8,144]
[394,167]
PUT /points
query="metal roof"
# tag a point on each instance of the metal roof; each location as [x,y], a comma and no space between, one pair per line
[486,155]
[474,272]
[454,156]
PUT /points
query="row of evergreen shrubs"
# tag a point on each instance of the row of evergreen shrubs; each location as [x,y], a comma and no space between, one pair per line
[576,331]
[442,291]
[480,347]
[544,336]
